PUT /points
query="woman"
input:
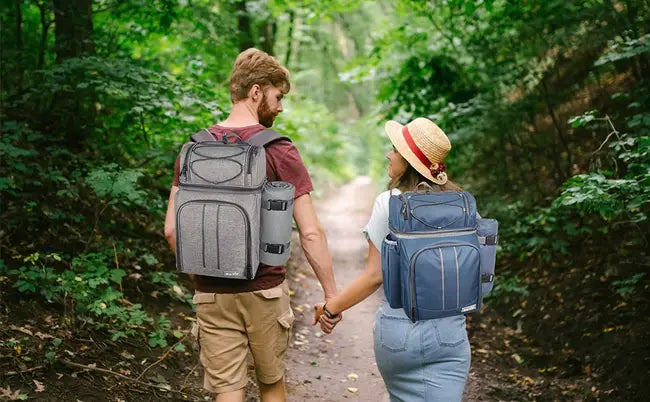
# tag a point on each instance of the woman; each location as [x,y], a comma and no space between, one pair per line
[427,360]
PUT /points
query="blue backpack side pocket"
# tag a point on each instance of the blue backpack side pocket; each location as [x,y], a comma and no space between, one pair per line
[390,272]
[487,232]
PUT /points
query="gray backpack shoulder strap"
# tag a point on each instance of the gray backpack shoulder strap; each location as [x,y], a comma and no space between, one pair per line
[203,135]
[265,137]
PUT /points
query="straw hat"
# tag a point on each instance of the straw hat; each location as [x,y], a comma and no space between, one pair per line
[423,144]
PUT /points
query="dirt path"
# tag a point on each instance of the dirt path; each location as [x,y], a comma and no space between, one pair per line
[322,367]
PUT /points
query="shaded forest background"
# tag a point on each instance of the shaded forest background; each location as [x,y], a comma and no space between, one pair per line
[545,102]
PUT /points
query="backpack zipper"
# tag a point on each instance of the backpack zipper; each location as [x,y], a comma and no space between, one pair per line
[405,207]
[186,162]
[224,188]
[252,149]
[412,271]
[440,233]
[466,207]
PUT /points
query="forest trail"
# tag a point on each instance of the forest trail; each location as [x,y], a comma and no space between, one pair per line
[323,367]
[319,364]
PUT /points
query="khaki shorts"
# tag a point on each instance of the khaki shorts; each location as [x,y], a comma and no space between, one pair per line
[230,324]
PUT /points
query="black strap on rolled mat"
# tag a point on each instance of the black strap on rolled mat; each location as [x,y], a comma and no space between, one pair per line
[275,248]
[488,240]
[277,205]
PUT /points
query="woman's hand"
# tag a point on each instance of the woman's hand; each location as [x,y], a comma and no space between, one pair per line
[326,324]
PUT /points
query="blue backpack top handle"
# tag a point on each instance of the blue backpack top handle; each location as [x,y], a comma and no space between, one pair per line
[438,259]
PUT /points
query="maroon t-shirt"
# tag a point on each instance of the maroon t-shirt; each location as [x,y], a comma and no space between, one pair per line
[283,163]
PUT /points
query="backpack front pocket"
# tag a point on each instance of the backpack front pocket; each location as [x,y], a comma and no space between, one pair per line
[444,280]
[205,247]
[390,272]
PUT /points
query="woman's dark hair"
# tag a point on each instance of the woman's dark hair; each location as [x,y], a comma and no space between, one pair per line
[411,178]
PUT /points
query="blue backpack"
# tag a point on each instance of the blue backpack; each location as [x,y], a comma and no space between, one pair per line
[438,259]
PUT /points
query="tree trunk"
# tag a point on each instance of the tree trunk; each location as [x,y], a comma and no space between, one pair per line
[287,56]
[243,26]
[73,28]
[19,45]
[74,38]
[45,27]
[267,35]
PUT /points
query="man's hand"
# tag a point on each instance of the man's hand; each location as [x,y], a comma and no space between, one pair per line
[326,324]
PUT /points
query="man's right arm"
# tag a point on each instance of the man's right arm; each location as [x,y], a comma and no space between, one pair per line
[170,220]
[314,243]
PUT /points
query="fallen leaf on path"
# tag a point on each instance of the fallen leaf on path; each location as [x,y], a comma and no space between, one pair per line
[517,358]
[353,376]
[12,395]
[178,290]
[485,352]
[39,386]
[43,336]
[21,329]
[353,390]
[127,355]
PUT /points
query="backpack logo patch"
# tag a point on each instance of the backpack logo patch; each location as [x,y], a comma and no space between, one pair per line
[468,308]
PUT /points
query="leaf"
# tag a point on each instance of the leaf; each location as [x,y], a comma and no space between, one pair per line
[177,289]
[117,275]
[39,386]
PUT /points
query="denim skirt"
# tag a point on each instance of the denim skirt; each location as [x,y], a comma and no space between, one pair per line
[423,361]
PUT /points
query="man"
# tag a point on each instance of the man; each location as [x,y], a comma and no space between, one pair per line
[235,315]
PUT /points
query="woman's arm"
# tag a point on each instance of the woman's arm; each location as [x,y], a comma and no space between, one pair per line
[363,286]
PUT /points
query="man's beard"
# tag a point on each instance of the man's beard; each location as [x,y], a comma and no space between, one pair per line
[264,113]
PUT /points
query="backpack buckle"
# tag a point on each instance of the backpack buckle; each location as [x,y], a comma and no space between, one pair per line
[487,278]
[277,205]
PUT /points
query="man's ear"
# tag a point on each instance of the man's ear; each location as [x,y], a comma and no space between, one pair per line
[255,93]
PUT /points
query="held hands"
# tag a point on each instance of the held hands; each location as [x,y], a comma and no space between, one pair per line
[326,324]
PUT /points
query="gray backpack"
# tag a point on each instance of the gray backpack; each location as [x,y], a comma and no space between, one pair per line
[217,206]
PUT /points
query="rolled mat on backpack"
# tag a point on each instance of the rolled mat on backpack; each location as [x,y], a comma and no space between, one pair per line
[275,226]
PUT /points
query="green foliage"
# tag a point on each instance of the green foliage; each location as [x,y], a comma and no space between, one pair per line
[92,288]
[508,288]
[625,49]
[120,185]
[169,281]
[159,336]
[627,286]
[318,136]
